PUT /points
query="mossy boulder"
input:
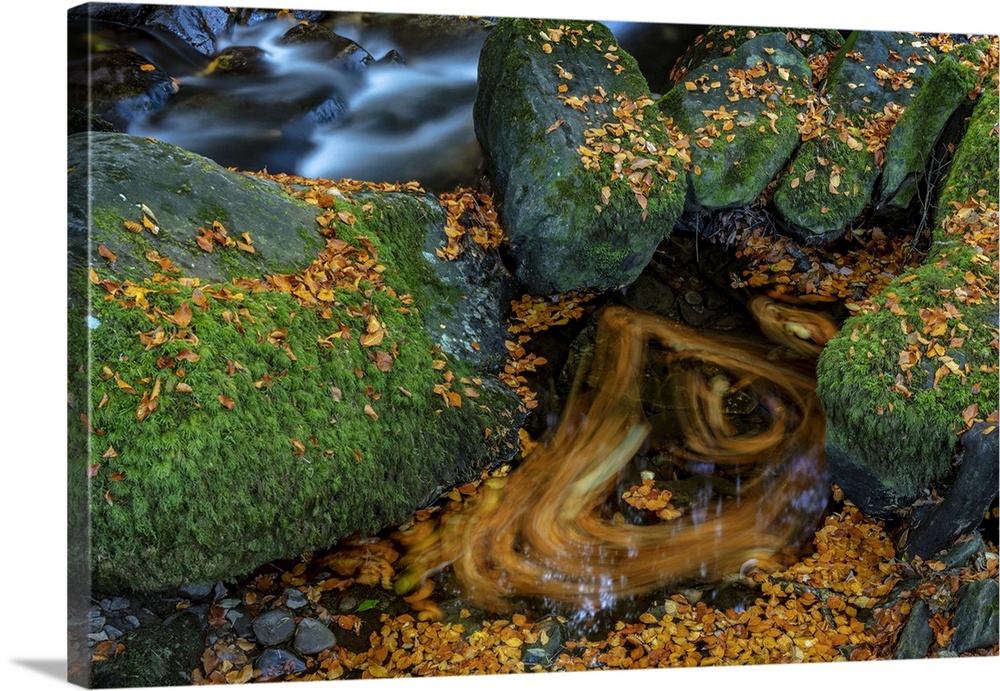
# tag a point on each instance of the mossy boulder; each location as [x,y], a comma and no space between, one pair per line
[721,40]
[740,111]
[908,151]
[917,367]
[832,177]
[586,180]
[267,397]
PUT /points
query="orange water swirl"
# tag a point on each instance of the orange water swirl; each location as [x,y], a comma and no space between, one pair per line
[542,533]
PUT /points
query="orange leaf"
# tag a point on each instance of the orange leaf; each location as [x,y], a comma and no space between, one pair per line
[182,317]
[147,67]
[198,298]
[107,254]
[226,401]
[183,387]
[455,399]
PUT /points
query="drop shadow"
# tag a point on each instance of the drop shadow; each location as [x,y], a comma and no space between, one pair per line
[50,668]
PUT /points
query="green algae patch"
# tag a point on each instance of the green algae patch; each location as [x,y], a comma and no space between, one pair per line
[233,421]
[739,109]
[585,174]
[917,367]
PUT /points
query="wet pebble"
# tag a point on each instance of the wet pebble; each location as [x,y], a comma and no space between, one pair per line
[196,591]
[294,599]
[312,637]
[274,627]
[551,637]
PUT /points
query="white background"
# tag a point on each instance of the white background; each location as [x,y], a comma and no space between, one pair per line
[32,333]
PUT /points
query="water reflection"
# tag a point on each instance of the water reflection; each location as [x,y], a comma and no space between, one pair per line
[651,386]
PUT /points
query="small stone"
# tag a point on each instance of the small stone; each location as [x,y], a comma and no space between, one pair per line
[196,591]
[348,604]
[692,297]
[113,632]
[312,637]
[274,627]
[294,599]
[117,604]
[132,622]
[97,623]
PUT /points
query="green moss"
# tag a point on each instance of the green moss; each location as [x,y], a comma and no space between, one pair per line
[197,491]
[817,213]
[974,165]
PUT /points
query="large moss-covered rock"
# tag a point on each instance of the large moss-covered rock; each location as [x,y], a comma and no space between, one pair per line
[739,109]
[917,366]
[254,388]
[909,149]
[582,166]
[833,175]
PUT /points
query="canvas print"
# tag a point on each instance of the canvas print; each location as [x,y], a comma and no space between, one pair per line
[412,345]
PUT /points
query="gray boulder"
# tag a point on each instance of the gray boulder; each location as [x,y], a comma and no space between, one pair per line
[583,169]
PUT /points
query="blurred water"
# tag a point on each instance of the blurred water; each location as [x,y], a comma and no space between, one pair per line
[384,122]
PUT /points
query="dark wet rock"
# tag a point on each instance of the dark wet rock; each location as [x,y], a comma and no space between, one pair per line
[249,60]
[324,44]
[392,57]
[569,225]
[199,27]
[976,616]
[295,599]
[253,16]
[745,130]
[155,655]
[274,663]
[908,151]
[115,604]
[329,111]
[551,639]
[126,14]
[720,41]
[274,627]
[871,72]
[196,591]
[241,621]
[424,34]
[120,88]
[312,636]
[916,638]
[972,492]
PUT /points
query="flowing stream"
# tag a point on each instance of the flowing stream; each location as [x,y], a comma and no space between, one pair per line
[392,120]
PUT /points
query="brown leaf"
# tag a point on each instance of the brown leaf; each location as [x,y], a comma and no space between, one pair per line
[107,254]
[226,401]
[370,412]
